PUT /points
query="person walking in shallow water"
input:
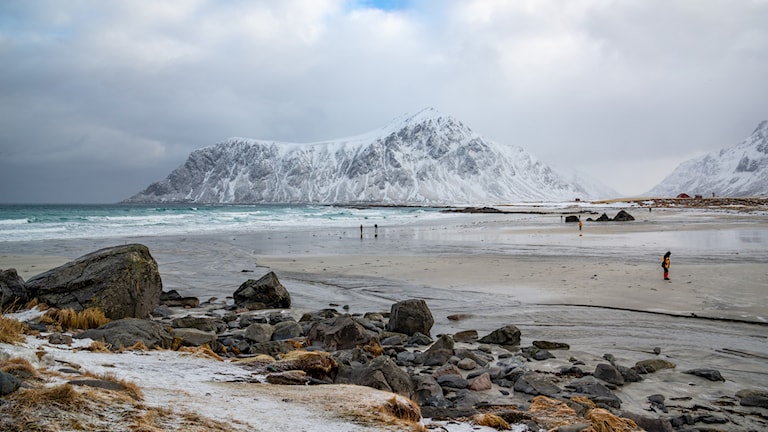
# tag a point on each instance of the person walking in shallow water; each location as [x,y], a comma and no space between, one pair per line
[665,264]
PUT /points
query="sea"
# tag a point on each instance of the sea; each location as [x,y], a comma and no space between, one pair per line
[21,223]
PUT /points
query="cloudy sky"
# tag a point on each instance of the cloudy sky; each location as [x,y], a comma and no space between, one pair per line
[100,98]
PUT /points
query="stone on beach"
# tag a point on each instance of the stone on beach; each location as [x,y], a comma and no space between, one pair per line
[122,281]
[12,289]
[130,331]
[266,291]
[507,335]
[410,316]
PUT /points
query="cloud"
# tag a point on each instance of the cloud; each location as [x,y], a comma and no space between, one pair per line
[597,85]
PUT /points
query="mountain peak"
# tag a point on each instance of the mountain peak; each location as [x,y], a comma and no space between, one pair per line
[423,158]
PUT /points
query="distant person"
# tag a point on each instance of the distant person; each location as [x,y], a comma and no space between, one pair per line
[665,264]
[580,224]
[376,230]
[361,230]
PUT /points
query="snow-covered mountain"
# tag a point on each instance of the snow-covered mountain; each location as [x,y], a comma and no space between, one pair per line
[426,158]
[741,170]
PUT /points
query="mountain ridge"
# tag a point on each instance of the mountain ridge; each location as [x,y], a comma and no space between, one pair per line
[739,170]
[424,158]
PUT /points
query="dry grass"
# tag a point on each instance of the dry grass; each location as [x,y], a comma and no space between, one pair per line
[491,420]
[603,421]
[19,367]
[98,346]
[11,330]
[404,409]
[70,319]
[203,351]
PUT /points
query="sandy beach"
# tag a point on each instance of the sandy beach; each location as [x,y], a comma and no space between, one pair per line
[599,289]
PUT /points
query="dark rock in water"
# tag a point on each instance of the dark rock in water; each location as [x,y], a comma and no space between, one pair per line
[381,373]
[122,281]
[194,337]
[129,331]
[755,398]
[537,354]
[267,290]
[603,218]
[286,330]
[12,289]
[629,374]
[410,316]
[339,333]
[507,335]
[535,384]
[623,216]
[609,374]
[571,219]
[594,390]
[657,401]
[710,374]
[185,302]
[8,383]
[547,345]
[653,365]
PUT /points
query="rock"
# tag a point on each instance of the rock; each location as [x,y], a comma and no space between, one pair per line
[571,219]
[629,374]
[480,383]
[122,281]
[266,290]
[419,338]
[13,291]
[466,364]
[426,388]
[710,374]
[448,369]
[547,345]
[194,337]
[8,383]
[339,333]
[653,365]
[609,374]
[410,316]
[603,218]
[439,352]
[259,332]
[292,377]
[536,353]
[657,402]
[60,339]
[381,373]
[129,331]
[318,365]
[754,398]
[507,335]
[286,330]
[623,216]
[466,336]
[648,424]
[162,311]
[452,381]
[596,391]
[201,323]
[535,384]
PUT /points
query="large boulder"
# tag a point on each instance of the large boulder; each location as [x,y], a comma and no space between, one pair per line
[12,289]
[123,281]
[381,373]
[267,290]
[339,333]
[128,332]
[623,216]
[507,335]
[410,316]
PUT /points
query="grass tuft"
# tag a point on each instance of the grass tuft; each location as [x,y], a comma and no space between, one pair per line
[19,367]
[70,319]
[490,420]
[11,330]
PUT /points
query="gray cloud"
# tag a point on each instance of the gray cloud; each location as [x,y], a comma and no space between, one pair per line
[101,98]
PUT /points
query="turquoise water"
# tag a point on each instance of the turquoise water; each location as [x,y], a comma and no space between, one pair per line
[57,222]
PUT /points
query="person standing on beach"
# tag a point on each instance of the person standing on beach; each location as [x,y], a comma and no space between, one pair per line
[580,224]
[665,264]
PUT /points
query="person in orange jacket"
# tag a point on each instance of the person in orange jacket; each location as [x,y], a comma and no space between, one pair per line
[665,264]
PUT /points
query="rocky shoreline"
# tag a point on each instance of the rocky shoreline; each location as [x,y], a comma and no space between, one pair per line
[454,377]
